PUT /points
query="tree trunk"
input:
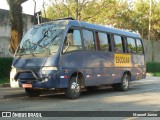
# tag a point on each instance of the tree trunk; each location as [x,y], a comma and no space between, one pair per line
[17,23]
[77,11]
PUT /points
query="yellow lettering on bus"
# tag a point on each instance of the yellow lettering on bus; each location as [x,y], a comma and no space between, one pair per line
[122,60]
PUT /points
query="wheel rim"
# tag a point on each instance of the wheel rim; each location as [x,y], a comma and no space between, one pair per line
[75,87]
[125,81]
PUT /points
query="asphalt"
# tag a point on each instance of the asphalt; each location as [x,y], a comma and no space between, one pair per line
[8,92]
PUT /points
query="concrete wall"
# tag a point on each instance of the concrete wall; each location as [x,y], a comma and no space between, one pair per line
[152,49]
[5,27]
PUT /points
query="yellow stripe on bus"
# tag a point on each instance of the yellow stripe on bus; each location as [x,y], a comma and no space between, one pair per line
[122,60]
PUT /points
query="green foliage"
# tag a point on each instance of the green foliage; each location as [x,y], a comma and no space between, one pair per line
[5,67]
[156,74]
[153,67]
[123,14]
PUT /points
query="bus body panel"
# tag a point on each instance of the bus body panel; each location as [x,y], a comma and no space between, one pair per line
[98,68]
[33,62]
[25,67]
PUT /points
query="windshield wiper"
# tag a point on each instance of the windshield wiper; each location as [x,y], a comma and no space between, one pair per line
[47,49]
[31,52]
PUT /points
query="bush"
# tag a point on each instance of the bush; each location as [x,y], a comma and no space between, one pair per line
[153,67]
[5,67]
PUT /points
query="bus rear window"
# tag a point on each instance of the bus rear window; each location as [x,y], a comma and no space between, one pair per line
[139,46]
[131,45]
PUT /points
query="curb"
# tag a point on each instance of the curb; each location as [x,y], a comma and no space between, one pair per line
[14,95]
[5,85]
[149,74]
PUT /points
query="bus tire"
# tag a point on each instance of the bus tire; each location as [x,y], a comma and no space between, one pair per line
[124,85]
[32,92]
[74,89]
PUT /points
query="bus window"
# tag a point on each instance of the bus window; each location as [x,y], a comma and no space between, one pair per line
[131,46]
[102,39]
[73,41]
[139,46]
[88,40]
[118,47]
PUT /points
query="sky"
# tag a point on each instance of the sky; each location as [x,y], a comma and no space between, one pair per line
[28,7]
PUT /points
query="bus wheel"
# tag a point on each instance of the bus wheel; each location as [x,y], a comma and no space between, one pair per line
[32,92]
[74,88]
[124,85]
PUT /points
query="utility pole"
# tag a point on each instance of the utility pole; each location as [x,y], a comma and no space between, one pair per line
[77,12]
[44,9]
[34,11]
[150,14]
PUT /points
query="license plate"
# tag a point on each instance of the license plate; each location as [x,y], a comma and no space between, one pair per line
[27,85]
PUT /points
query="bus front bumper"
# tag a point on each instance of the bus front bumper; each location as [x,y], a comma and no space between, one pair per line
[30,79]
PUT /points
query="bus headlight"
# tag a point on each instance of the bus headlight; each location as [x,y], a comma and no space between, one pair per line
[46,71]
[49,68]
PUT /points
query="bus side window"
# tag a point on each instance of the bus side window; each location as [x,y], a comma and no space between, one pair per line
[131,45]
[102,40]
[118,47]
[73,41]
[88,40]
[139,46]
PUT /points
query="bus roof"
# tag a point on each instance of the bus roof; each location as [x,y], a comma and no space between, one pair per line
[102,28]
[76,23]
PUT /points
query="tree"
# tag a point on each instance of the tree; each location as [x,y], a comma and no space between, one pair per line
[79,9]
[17,23]
[124,14]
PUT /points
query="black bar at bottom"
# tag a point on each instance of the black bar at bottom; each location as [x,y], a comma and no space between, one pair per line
[79,113]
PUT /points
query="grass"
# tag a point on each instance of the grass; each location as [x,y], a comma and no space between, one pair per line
[153,67]
[156,74]
[4,80]
[5,67]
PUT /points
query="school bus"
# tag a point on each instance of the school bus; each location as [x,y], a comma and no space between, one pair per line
[71,55]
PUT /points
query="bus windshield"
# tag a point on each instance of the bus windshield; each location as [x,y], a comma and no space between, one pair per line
[44,38]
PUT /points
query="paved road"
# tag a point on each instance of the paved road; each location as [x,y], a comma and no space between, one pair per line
[144,95]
